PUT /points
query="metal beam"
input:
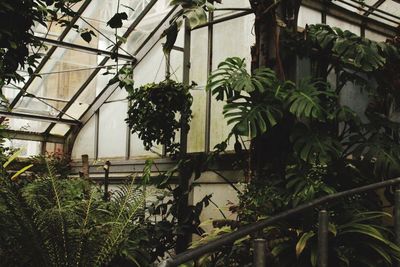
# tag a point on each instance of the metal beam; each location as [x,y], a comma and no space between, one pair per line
[86,49]
[49,53]
[103,62]
[19,115]
[374,7]
[31,136]
[351,17]
[151,41]
[226,18]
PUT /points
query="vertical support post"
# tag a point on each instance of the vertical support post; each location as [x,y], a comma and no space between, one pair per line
[323,219]
[209,70]
[96,134]
[259,254]
[397,218]
[184,237]
[106,168]
[85,166]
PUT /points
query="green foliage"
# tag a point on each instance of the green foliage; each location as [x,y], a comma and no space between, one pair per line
[351,49]
[311,146]
[17,39]
[194,11]
[157,111]
[64,222]
[116,21]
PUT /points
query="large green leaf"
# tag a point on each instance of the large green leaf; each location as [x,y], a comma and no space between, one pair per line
[302,243]
[251,119]
[306,101]
[314,146]
[232,77]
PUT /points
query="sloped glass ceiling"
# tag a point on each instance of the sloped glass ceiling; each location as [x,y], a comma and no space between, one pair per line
[69,79]
[385,11]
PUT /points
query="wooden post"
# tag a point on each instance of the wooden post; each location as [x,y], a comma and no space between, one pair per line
[85,166]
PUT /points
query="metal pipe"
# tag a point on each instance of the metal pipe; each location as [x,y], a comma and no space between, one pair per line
[257,226]
[323,219]
[259,254]
[216,21]
[86,49]
[36,117]
[207,137]
[397,218]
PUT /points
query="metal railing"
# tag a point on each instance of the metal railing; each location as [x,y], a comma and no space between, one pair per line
[259,244]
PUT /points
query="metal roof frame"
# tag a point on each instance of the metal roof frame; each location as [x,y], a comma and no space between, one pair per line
[364,19]
[103,62]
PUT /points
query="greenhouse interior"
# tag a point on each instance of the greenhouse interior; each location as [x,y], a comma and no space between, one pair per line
[200,133]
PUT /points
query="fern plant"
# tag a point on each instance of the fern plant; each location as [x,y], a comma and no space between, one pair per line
[64,222]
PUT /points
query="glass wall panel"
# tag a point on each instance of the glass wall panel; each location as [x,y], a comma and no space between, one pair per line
[308,16]
[196,136]
[112,130]
[27,125]
[54,148]
[85,141]
[198,56]
[29,148]
[226,4]
[176,66]
[334,22]
[226,45]
[375,36]
[150,69]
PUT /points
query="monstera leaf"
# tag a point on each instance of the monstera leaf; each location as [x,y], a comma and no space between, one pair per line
[232,77]
[306,100]
[251,119]
[314,146]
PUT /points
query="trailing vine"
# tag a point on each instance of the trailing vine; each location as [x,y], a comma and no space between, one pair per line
[156,113]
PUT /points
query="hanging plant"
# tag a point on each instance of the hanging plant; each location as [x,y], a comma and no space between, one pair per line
[158,111]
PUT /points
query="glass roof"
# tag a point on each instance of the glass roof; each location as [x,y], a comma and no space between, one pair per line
[385,11]
[71,76]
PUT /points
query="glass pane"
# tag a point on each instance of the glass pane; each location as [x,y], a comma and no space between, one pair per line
[138,151]
[375,36]
[308,16]
[226,4]
[112,130]
[63,74]
[226,45]
[333,22]
[146,26]
[53,148]
[85,141]
[198,56]
[196,136]
[39,106]
[27,125]
[29,148]
[176,65]
[97,85]
[60,129]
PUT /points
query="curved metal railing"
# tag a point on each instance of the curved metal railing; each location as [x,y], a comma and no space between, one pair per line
[259,244]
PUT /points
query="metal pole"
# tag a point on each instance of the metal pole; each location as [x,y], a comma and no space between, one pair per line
[106,168]
[323,220]
[209,71]
[397,218]
[259,255]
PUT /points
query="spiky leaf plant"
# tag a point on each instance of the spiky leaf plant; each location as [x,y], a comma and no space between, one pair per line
[65,222]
